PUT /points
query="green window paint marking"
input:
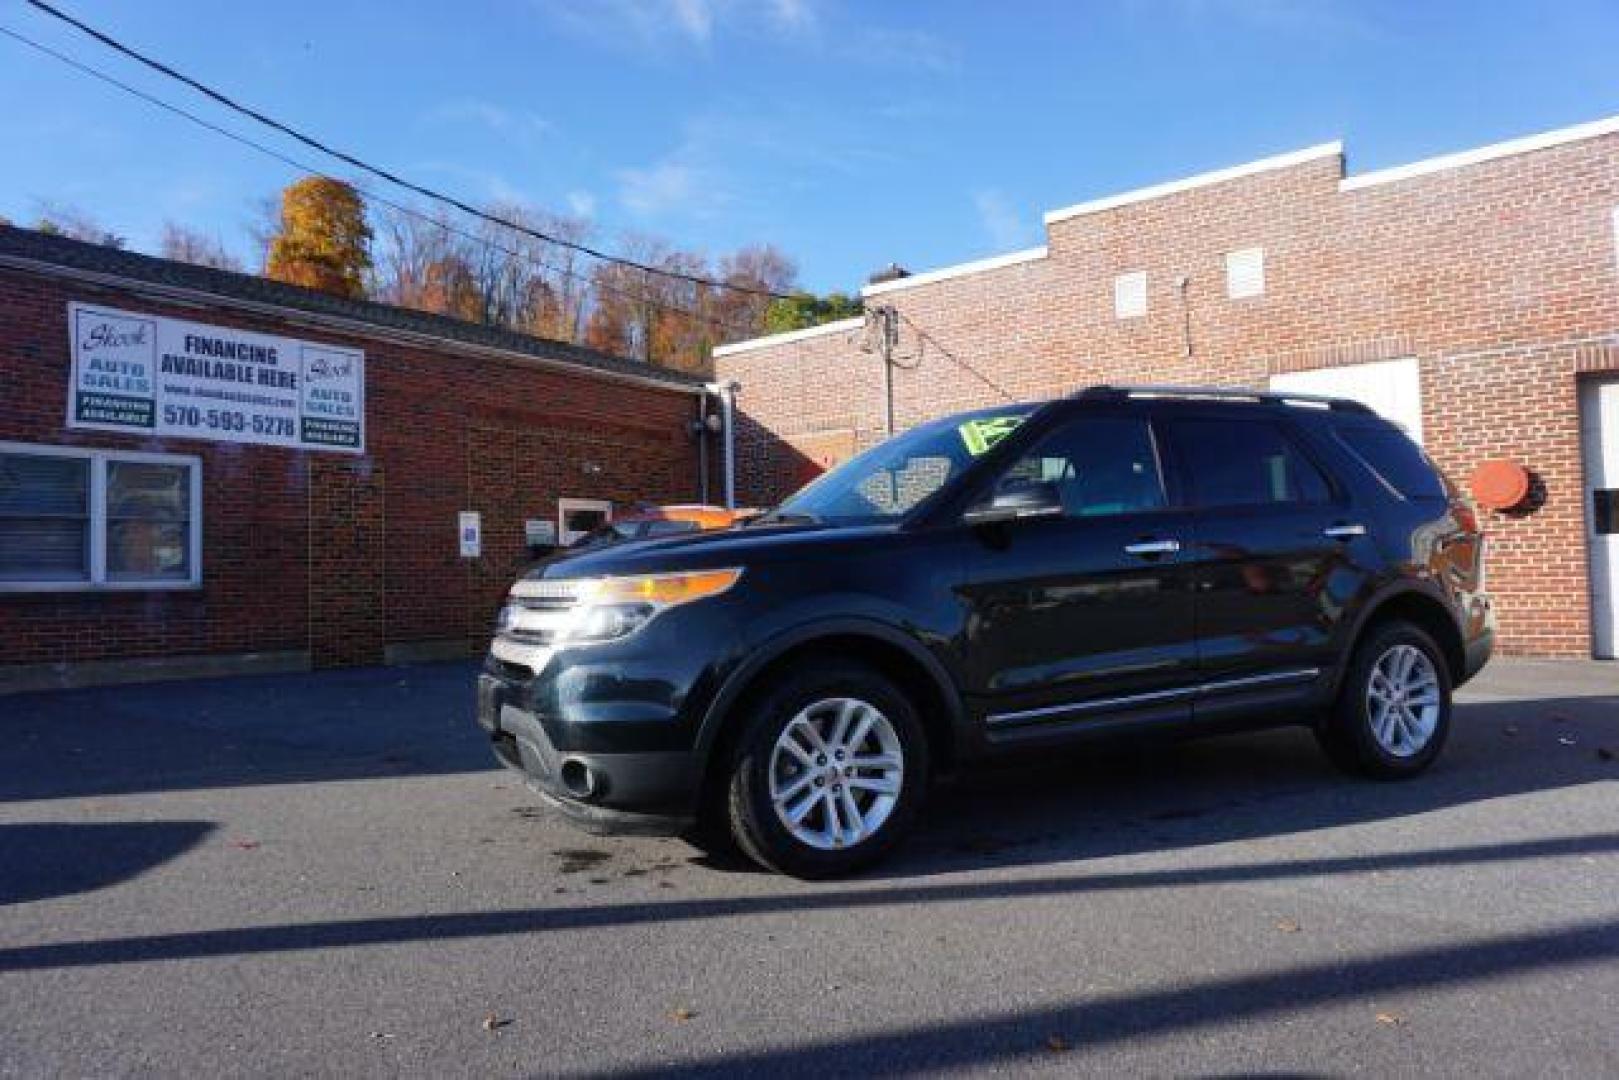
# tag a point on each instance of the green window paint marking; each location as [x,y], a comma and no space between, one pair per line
[982,434]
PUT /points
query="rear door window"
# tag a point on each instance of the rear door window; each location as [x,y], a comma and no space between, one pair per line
[1396,460]
[1246,463]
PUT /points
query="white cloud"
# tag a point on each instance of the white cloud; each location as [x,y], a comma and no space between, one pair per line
[582,203]
[653,25]
[519,124]
[658,189]
[695,17]
[793,14]
[1001,223]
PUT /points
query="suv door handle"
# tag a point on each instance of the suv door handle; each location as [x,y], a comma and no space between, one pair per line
[1145,548]
[1343,532]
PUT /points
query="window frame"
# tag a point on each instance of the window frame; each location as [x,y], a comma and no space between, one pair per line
[98,580]
[567,504]
[1168,481]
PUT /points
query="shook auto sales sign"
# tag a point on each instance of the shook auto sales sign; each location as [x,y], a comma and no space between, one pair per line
[170,377]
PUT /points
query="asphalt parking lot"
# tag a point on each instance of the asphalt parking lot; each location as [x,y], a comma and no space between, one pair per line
[325,874]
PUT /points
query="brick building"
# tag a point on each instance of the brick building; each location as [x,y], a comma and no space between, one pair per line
[203,471]
[1473,297]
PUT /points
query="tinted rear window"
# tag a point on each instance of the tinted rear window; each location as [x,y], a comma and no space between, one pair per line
[1246,463]
[1397,460]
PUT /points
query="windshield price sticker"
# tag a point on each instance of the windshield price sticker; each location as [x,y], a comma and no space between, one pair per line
[982,434]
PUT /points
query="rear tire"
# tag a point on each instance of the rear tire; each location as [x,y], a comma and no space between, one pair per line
[829,772]
[1394,709]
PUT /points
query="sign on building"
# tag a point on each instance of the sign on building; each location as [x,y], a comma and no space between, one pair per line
[144,373]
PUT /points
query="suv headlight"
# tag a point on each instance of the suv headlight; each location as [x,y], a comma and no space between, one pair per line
[616,607]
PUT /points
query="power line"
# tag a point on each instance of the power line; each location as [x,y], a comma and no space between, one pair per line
[641,298]
[384,174]
[925,337]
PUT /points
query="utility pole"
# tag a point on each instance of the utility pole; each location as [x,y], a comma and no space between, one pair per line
[890,331]
[882,338]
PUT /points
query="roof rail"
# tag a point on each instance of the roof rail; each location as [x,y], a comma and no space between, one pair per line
[1108,392]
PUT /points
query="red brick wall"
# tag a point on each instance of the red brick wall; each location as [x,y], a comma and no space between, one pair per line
[333,553]
[1499,277]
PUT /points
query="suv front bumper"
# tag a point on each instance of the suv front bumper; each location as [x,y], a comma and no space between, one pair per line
[650,792]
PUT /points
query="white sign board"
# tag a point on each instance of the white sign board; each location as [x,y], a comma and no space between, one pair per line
[470,526]
[171,377]
[540,532]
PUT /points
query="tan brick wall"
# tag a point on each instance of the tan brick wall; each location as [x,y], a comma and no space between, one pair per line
[1499,277]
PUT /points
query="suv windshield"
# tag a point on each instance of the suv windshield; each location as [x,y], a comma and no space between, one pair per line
[883,483]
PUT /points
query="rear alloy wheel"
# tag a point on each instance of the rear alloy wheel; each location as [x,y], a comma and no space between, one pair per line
[1393,710]
[829,773]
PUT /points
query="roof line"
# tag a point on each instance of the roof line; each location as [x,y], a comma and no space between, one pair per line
[787,336]
[976,266]
[1477,155]
[163,291]
[1218,176]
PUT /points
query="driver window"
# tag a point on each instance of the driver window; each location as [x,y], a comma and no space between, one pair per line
[1100,466]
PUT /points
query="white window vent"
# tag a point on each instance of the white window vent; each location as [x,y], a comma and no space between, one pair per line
[1245,273]
[1130,295]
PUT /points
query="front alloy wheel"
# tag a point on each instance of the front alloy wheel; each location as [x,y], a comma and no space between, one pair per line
[828,772]
[836,773]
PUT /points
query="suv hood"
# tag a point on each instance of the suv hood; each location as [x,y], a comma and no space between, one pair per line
[695,551]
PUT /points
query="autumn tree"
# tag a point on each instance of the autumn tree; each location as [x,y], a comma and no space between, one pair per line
[754,271]
[187,245]
[802,310]
[61,219]
[322,240]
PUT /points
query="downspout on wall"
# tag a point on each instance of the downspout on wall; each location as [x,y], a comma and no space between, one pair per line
[727,394]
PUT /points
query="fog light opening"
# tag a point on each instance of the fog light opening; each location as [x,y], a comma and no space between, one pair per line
[578,778]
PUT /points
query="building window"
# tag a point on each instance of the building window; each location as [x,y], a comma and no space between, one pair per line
[1245,273]
[1130,295]
[577,518]
[98,519]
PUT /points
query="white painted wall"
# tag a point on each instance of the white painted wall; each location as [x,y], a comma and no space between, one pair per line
[1392,387]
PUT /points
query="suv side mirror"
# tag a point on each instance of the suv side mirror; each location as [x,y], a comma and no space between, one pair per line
[1035,498]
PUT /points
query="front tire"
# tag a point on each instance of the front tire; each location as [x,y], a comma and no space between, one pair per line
[829,773]
[1393,710]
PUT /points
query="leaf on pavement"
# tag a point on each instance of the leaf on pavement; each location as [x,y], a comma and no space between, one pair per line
[1288,926]
[1390,1019]
[682,1014]
[494,1023]
[1057,1044]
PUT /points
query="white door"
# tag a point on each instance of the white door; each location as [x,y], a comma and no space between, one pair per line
[1393,388]
[1599,435]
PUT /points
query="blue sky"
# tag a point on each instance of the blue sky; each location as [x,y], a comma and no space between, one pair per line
[849,133]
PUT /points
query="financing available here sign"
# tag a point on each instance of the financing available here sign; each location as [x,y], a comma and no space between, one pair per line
[171,377]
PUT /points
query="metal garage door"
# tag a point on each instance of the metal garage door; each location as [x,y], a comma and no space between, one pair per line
[1392,387]
[1599,434]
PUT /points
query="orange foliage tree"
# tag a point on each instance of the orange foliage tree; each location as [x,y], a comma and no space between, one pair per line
[322,240]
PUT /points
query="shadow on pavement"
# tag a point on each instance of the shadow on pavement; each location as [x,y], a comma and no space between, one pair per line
[1129,799]
[270,729]
[354,933]
[49,859]
[1009,1036]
